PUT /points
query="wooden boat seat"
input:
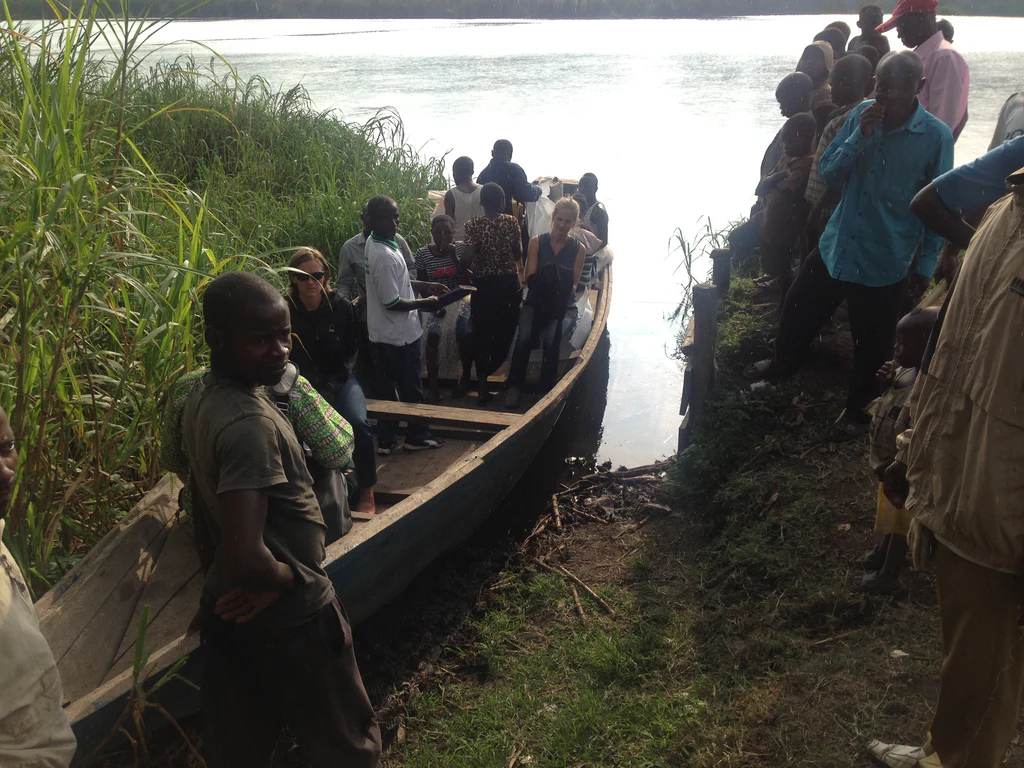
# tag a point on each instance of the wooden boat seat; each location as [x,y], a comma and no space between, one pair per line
[441,415]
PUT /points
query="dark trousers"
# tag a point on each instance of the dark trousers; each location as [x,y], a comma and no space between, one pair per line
[348,400]
[548,332]
[812,299]
[397,375]
[306,678]
[495,313]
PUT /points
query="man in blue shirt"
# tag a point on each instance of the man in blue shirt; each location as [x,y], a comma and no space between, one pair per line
[509,176]
[888,150]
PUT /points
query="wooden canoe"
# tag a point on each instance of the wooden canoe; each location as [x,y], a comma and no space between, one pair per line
[428,502]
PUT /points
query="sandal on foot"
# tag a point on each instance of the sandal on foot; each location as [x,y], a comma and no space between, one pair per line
[877,584]
[846,429]
[758,371]
[894,755]
[873,560]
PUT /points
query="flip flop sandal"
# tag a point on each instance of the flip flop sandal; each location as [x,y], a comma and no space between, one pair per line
[758,371]
[845,430]
[894,755]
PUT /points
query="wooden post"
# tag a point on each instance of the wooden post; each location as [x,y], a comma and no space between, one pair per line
[722,268]
[699,375]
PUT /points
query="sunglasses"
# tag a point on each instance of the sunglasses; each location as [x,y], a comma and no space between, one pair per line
[304,276]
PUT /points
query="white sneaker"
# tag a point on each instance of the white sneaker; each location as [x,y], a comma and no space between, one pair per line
[895,755]
[423,445]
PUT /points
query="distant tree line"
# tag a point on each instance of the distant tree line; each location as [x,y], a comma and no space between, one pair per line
[533,9]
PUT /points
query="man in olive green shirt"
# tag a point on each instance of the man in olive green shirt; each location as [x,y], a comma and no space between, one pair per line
[278,646]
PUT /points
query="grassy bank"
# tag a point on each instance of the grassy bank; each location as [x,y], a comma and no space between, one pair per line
[739,636]
[125,187]
[529,9]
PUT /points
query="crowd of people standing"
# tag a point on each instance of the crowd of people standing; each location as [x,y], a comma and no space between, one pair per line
[858,195]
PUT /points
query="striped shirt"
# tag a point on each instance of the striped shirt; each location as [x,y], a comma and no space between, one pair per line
[439,269]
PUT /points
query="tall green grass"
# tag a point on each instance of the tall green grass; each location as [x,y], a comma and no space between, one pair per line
[125,186]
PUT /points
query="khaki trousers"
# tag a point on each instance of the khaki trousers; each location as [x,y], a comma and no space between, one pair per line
[982,663]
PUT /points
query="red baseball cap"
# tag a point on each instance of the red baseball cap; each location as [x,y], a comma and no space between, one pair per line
[907,6]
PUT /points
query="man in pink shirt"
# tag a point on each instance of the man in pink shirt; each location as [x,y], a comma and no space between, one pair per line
[947,78]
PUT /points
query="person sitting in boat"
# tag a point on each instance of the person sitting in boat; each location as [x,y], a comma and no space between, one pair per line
[509,176]
[278,648]
[595,216]
[394,325]
[554,264]
[441,263]
[462,202]
[33,727]
[325,341]
[494,250]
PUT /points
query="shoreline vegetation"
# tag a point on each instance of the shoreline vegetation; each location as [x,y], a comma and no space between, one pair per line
[515,9]
[720,623]
[128,183]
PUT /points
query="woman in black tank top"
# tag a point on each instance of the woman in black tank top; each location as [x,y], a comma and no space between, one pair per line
[553,268]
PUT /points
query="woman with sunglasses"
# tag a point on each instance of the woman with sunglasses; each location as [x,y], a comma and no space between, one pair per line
[325,339]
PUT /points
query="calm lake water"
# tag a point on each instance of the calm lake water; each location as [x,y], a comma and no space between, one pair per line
[673,117]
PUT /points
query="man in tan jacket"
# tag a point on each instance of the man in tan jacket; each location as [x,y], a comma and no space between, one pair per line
[961,474]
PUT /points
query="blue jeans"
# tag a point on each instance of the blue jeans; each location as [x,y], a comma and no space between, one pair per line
[550,337]
[348,400]
[397,376]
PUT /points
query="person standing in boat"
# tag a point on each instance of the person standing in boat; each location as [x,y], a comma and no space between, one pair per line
[278,644]
[595,215]
[442,262]
[325,341]
[462,202]
[34,733]
[509,176]
[394,325]
[554,264]
[494,249]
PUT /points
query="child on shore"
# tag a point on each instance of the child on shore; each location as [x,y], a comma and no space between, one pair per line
[786,209]
[889,417]
[794,97]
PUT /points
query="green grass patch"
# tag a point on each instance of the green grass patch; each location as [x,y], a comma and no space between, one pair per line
[563,693]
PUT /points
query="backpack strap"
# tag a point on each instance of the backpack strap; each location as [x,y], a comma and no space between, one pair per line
[281,392]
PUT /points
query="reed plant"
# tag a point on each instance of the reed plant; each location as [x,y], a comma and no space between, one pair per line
[126,186]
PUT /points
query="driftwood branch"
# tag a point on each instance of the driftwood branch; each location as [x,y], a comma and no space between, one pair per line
[566,572]
[558,512]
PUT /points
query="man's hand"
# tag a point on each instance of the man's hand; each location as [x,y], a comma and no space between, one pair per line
[886,373]
[768,183]
[429,304]
[243,605]
[432,289]
[918,285]
[870,118]
[949,263]
[895,485]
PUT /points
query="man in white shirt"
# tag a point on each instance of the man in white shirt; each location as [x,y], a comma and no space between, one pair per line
[34,733]
[351,281]
[393,323]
